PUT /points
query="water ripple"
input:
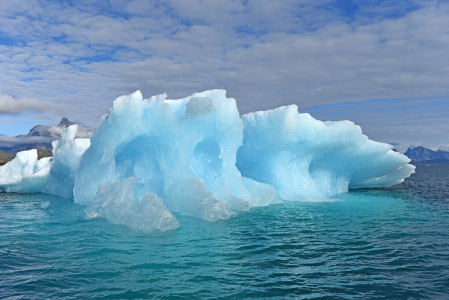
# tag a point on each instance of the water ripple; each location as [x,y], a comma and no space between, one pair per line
[380,244]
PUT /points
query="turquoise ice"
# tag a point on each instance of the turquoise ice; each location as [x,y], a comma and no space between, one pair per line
[150,158]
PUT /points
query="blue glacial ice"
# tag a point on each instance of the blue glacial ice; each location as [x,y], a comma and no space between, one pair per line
[301,156]
[150,158]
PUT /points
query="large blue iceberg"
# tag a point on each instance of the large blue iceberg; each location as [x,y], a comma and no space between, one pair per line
[150,158]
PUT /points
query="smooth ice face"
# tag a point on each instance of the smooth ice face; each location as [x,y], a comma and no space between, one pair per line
[117,203]
[301,156]
[67,153]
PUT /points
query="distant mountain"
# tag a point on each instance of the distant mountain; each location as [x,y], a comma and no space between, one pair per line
[49,131]
[22,147]
[65,122]
[420,154]
[424,156]
[40,137]
[5,157]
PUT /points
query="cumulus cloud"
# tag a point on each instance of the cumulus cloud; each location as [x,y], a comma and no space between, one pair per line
[6,141]
[11,106]
[78,57]
[443,147]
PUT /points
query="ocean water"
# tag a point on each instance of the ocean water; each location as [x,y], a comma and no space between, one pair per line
[388,243]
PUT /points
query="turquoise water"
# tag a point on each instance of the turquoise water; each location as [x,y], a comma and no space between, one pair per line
[381,244]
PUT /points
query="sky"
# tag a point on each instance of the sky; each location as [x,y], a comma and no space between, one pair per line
[381,64]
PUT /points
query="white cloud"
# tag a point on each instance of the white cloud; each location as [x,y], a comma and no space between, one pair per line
[6,141]
[265,53]
[11,106]
[443,147]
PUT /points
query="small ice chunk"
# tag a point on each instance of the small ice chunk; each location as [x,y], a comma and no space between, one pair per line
[117,203]
[45,205]
[25,173]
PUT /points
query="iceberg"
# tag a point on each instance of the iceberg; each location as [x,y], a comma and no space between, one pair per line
[117,203]
[52,175]
[25,173]
[301,156]
[150,159]
[184,151]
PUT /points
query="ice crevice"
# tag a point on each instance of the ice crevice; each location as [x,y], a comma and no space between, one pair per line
[150,159]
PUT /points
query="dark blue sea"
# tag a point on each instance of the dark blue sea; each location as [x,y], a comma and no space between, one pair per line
[390,243]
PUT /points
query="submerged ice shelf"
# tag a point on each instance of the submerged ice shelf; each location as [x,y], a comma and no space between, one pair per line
[196,156]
